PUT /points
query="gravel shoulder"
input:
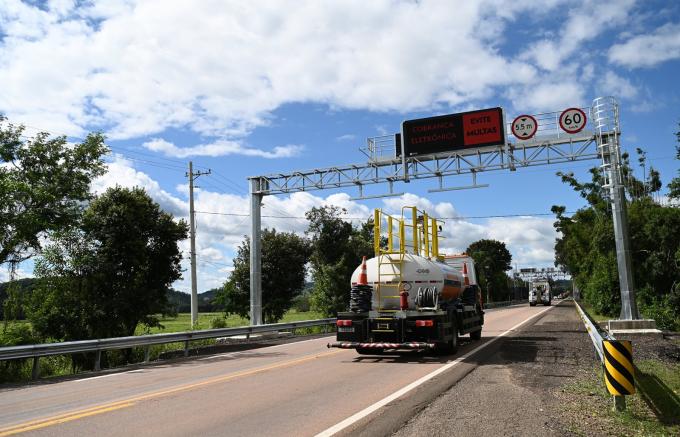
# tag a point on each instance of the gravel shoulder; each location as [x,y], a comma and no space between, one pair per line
[546,380]
[511,392]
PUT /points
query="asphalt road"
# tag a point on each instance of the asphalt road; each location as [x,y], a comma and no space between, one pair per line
[298,389]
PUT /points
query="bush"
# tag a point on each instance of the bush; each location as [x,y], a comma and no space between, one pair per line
[218,323]
[301,303]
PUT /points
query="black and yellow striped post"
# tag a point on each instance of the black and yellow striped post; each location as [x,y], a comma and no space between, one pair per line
[619,374]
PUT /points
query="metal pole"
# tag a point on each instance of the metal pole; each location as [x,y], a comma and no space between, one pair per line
[629,309]
[255,253]
[605,113]
[192,236]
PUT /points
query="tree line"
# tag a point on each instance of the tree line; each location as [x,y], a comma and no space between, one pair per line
[586,248]
[103,264]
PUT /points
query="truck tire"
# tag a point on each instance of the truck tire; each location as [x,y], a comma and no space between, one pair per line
[450,347]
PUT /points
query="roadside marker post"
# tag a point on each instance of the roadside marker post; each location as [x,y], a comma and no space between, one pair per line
[619,373]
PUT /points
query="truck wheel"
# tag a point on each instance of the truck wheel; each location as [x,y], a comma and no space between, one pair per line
[453,344]
[476,335]
[450,347]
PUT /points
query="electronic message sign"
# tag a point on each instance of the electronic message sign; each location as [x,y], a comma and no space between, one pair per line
[452,132]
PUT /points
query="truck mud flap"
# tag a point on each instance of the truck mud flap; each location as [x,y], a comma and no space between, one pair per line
[355,345]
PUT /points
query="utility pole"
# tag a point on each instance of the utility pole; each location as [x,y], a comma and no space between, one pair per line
[192,236]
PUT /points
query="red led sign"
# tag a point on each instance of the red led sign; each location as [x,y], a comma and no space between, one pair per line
[452,132]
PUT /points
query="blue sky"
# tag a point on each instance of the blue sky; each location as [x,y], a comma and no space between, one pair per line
[251,88]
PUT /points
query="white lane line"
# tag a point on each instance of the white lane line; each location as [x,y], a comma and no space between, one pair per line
[399,393]
[109,375]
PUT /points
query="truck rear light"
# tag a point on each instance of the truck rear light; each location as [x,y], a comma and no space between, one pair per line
[343,323]
[421,323]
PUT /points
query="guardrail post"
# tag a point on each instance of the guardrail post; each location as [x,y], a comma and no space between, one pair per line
[35,373]
[147,353]
[619,403]
[98,361]
[186,348]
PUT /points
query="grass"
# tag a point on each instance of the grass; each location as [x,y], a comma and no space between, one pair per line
[654,410]
[20,370]
[183,321]
[594,314]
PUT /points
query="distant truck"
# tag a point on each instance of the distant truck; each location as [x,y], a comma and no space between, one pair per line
[410,296]
[540,292]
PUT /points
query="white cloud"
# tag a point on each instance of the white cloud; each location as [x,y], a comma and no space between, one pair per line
[648,50]
[584,22]
[220,148]
[346,137]
[122,173]
[548,95]
[138,68]
[530,240]
[614,85]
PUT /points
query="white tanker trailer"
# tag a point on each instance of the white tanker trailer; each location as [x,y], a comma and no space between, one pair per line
[409,296]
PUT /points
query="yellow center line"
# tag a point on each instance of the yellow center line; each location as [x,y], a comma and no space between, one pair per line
[111,406]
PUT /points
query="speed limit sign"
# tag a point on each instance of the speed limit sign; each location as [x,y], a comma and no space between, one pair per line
[572,120]
[524,127]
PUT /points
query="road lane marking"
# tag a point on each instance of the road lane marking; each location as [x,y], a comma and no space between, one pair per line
[98,409]
[107,376]
[43,423]
[399,393]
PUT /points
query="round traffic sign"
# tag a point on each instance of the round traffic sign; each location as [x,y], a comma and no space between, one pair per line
[524,127]
[572,120]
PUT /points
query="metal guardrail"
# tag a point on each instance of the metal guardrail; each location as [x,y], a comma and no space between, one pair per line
[616,357]
[36,351]
[596,334]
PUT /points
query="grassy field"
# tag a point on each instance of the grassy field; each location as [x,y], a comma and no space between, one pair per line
[654,410]
[183,321]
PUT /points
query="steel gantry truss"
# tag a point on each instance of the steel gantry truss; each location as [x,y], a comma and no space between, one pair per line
[509,156]
[551,145]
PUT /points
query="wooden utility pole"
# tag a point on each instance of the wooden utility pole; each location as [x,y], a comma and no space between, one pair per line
[192,236]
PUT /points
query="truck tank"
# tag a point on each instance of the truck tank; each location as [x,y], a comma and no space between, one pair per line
[409,272]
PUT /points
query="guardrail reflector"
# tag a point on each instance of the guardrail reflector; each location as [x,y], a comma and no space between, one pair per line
[619,374]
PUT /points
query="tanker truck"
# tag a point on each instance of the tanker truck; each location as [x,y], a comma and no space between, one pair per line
[409,296]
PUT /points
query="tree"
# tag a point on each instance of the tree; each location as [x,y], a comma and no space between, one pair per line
[337,249]
[492,260]
[586,248]
[43,184]
[284,256]
[109,274]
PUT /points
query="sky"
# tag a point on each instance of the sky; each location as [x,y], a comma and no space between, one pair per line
[248,88]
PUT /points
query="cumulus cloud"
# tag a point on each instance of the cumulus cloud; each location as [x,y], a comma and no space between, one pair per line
[138,68]
[122,173]
[220,148]
[614,85]
[650,49]
[584,23]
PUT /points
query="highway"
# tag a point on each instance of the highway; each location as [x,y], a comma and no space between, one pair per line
[299,389]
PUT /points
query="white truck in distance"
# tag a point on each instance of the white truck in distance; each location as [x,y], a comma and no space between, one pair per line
[540,292]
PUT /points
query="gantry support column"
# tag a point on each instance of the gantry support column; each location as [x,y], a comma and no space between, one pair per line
[255,252]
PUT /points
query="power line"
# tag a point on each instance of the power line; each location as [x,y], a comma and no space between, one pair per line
[537,214]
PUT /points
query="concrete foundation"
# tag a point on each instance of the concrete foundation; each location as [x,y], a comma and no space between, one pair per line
[646,327]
